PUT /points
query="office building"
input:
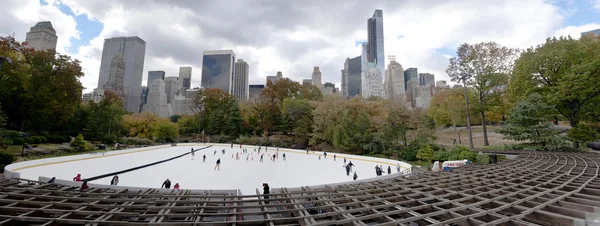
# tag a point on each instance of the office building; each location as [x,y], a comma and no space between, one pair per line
[254,91]
[154,75]
[592,32]
[316,77]
[344,82]
[96,96]
[371,81]
[185,78]
[42,36]
[240,84]
[115,76]
[426,79]
[134,52]
[423,95]
[411,74]
[218,69]
[172,87]
[394,80]
[353,68]
[183,103]
[364,55]
[375,45]
[328,88]
[306,82]
[157,100]
[144,97]
[276,78]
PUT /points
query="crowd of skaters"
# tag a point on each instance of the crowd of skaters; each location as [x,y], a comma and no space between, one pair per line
[167,183]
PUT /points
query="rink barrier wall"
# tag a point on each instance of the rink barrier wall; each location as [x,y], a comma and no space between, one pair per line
[236,192]
[142,166]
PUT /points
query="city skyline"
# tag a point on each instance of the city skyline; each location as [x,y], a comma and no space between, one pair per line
[296,45]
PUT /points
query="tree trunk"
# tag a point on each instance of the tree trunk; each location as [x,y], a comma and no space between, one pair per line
[573,125]
[485,137]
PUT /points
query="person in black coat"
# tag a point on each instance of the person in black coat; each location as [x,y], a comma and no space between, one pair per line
[51,181]
[166,184]
[389,170]
[266,192]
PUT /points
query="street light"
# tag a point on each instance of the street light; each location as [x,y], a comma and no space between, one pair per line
[463,77]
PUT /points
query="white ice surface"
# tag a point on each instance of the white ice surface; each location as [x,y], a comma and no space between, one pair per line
[300,169]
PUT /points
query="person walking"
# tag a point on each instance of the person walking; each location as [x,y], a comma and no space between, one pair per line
[115,180]
[266,192]
[166,184]
[218,166]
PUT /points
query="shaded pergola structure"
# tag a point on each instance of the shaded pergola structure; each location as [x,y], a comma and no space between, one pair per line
[536,188]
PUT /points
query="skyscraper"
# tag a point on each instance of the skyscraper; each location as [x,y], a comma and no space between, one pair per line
[363,55]
[218,69]
[426,79]
[172,87]
[134,52]
[115,77]
[411,75]
[375,39]
[240,85]
[353,68]
[157,100]
[154,75]
[42,36]
[316,77]
[306,82]
[371,81]
[344,80]
[274,79]
[394,80]
[185,78]
[254,91]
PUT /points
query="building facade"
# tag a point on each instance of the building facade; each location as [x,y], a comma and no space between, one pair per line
[134,52]
[426,79]
[328,88]
[592,32]
[172,87]
[411,75]
[274,78]
[353,68]
[344,81]
[183,103]
[423,95]
[96,95]
[306,82]
[185,78]
[218,69]
[372,81]
[42,36]
[316,77]
[157,100]
[240,86]
[394,80]
[154,75]
[115,77]
[254,91]
[375,46]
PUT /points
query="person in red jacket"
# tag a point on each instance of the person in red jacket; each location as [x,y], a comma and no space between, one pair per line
[176,187]
[77,178]
[84,186]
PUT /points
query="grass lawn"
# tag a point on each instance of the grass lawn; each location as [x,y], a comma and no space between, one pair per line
[13,149]
[445,136]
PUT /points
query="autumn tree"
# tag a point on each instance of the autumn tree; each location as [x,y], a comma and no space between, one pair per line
[105,120]
[299,112]
[566,72]
[148,125]
[486,67]
[219,112]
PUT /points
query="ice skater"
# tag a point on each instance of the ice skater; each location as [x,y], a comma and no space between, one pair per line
[319,157]
[398,167]
[351,165]
[231,145]
[307,151]
[334,157]
[355,176]
[274,157]
[193,154]
[223,151]
[347,170]
[204,158]
[77,178]
[215,152]
[261,158]
[218,166]
[344,161]
[324,155]
[247,156]
[389,170]
[283,156]
[166,184]
[237,156]
[115,180]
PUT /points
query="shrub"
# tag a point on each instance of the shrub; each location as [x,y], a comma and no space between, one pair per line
[462,153]
[5,159]
[484,159]
[10,134]
[18,141]
[36,140]
[136,141]
[79,144]
[43,139]
[28,140]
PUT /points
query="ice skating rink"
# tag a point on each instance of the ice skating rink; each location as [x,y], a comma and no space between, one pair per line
[300,169]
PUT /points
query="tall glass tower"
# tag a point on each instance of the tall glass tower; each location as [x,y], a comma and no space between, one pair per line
[375,40]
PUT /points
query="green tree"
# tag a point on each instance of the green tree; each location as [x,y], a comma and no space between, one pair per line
[78,144]
[220,113]
[530,121]
[566,72]
[3,142]
[486,67]
[188,124]
[105,121]
[164,130]
[299,112]
[425,153]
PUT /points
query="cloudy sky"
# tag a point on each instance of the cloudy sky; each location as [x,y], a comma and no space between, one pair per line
[292,36]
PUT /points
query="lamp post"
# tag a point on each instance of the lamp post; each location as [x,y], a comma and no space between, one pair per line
[463,77]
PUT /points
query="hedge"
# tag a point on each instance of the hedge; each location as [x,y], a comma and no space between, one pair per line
[18,141]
